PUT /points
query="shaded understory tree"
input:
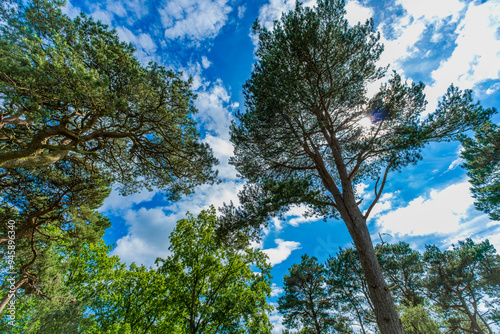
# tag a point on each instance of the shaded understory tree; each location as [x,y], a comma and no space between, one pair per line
[303,137]
[453,291]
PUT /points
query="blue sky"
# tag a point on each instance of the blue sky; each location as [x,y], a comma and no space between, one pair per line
[436,42]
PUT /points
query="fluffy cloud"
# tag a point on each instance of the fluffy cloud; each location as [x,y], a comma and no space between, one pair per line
[116,202]
[148,236]
[428,11]
[475,57]
[282,252]
[194,19]
[441,213]
[212,104]
[143,42]
[241,11]
[273,11]
[295,215]
[70,10]
[356,12]
[276,320]
[149,229]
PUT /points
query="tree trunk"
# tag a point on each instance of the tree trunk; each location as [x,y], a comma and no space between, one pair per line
[9,296]
[385,310]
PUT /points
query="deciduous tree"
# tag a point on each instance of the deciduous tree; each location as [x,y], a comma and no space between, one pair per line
[214,288]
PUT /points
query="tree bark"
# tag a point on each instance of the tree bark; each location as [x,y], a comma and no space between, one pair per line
[386,313]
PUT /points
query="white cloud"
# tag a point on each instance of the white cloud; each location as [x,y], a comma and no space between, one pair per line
[212,103]
[103,16]
[356,12]
[273,11]
[223,150]
[132,9]
[149,229]
[361,189]
[441,213]
[275,8]
[408,32]
[429,11]
[282,252]
[295,215]
[143,43]
[276,290]
[476,57]
[194,19]
[276,320]
[494,88]
[455,163]
[384,204]
[241,11]
[116,202]
[117,8]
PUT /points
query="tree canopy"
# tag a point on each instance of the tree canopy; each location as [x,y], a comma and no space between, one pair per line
[482,161]
[449,291]
[71,88]
[306,305]
[303,127]
[202,287]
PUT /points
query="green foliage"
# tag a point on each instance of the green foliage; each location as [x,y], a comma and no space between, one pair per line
[451,291]
[70,88]
[347,287]
[403,268]
[306,304]
[482,161]
[464,282]
[52,207]
[46,304]
[418,320]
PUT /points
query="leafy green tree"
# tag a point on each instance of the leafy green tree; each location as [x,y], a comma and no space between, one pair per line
[306,304]
[71,88]
[403,268]
[214,288]
[201,288]
[348,289]
[118,298]
[465,284]
[482,160]
[303,128]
